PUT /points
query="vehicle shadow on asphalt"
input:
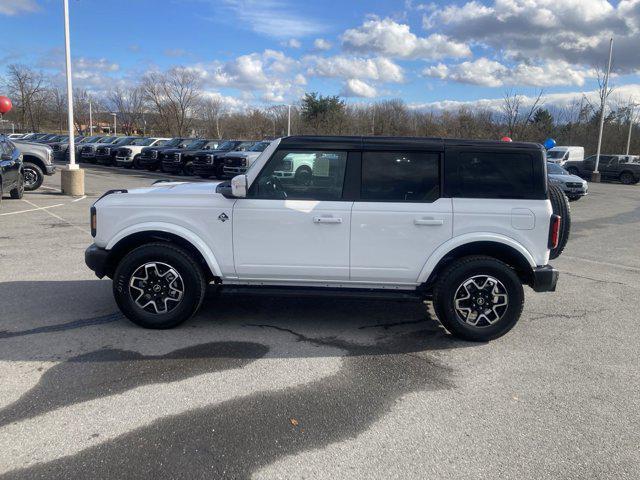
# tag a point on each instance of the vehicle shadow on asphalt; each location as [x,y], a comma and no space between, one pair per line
[385,350]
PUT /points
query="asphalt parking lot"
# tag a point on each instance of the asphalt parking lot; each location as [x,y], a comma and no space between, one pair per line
[292,388]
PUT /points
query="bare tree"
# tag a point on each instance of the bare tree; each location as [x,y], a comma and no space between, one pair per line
[28,87]
[517,120]
[210,111]
[174,95]
[129,104]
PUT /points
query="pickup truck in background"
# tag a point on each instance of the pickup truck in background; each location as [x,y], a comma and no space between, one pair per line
[611,167]
[37,160]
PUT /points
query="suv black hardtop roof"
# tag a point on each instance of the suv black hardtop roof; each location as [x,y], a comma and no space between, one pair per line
[395,143]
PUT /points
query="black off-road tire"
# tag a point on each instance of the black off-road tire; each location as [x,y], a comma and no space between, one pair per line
[136,163]
[191,275]
[18,192]
[560,206]
[188,169]
[627,178]
[457,274]
[33,169]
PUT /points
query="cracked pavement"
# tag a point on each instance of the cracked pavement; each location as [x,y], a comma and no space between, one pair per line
[314,388]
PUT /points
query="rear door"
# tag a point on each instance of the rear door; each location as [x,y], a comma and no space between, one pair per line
[400,217]
[499,191]
[9,164]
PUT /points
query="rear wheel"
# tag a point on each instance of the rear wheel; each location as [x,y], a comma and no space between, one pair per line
[18,192]
[33,176]
[627,178]
[159,286]
[478,298]
[560,206]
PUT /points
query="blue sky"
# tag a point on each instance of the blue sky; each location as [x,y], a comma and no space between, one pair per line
[271,51]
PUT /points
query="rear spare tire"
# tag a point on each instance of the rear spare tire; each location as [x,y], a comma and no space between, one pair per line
[560,206]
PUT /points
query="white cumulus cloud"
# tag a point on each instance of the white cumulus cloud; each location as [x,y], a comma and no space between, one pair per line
[357,88]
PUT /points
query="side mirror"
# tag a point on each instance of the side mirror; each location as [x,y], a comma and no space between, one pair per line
[239,185]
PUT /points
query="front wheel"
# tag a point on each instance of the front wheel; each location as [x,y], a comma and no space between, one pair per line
[33,176]
[159,286]
[478,298]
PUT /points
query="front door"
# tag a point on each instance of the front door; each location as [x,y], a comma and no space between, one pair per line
[400,218]
[294,225]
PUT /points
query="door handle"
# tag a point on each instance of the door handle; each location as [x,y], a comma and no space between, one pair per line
[430,222]
[327,220]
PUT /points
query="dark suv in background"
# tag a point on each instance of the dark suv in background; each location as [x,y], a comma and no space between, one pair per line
[180,160]
[11,170]
[208,164]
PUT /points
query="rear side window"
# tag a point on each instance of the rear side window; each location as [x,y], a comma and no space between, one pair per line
[400,177]
[491,175]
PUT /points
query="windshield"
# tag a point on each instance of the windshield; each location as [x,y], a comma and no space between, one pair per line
[259,147]
[193,144]
[124,141]
[142,142]
[95,138]
[555,169]
[555,153]
[106,140]
[174,142]
[227,145]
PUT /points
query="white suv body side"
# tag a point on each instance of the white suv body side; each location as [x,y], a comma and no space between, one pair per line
[259,241]
[390,245]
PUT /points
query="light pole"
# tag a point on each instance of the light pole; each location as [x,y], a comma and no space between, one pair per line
[90,119]
[631,107]
[115,130]
[289,122]
[595,176]
[72,178]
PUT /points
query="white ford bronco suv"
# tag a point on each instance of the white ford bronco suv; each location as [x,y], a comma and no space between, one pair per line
[462,223]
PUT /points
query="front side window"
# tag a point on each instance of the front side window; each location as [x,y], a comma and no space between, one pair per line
[400,176]
[302,175]
[491,175]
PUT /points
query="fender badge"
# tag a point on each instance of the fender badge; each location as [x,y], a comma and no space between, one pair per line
[223,217]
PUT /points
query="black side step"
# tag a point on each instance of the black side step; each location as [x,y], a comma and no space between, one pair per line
[326,292]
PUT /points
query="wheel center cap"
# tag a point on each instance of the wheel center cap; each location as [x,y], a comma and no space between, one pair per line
[157,288]
[480,301]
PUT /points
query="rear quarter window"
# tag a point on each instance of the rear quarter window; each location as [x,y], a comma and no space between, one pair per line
[490,174]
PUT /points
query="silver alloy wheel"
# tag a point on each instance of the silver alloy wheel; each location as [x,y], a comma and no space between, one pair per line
[30,177]
[481,301]
[156,287]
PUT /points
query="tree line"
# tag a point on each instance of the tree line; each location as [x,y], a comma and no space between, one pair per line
[174,103]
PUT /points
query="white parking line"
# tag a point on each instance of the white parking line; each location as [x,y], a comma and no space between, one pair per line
[78,199]
[59,217]
[32,209]
[51,189]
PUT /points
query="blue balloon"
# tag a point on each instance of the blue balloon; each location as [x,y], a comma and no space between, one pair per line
[549,143]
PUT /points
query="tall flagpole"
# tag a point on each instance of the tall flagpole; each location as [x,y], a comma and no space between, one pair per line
[72,177]
[67,48]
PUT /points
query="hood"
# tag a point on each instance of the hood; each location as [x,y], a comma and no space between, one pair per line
[566,178]
[177,188]
[252,155]
[32,147]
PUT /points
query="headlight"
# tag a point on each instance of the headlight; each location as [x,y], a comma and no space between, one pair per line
[243,162]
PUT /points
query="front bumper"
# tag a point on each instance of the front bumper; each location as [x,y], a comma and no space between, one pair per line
[171,167]
[147,162]
[49,169]
[96,259]
[120,161]
[545,279]
[230,172]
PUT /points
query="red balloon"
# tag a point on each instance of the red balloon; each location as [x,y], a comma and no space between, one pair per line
[5,105]
[506,139]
